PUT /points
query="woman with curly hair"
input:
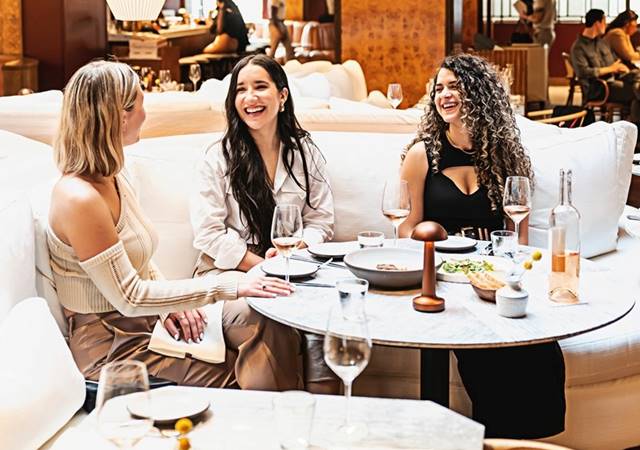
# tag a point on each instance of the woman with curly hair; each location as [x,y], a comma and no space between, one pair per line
[467,145]
[264,158]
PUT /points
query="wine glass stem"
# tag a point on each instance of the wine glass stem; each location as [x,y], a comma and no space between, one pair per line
[395,235]
[286,276]
[347,395]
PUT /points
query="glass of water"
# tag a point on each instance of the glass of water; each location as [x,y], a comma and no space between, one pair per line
[504,243]
[352,293]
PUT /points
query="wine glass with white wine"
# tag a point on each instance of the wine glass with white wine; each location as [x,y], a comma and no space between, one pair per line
[123,383]
[347,350]
[194,75]
[516,200]
[286,231]
[394,94]
[396,204]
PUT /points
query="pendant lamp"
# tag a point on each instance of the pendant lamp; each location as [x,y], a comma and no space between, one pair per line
[135,9]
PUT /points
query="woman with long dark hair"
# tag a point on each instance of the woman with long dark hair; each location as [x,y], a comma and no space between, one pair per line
[618,36]
[264,158]
[467,145]
[229,28]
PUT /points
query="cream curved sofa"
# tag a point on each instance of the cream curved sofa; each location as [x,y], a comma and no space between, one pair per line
[603,367]
[326,96]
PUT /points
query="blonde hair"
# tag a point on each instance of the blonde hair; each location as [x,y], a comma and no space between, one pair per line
[89,139]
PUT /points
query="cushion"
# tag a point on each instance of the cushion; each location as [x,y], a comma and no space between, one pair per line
[169,102]
[600,156]
[40,386]
[358,81]
[313,85]
[312,67]
[340,82]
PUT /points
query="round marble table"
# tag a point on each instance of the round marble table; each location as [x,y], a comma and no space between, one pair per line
[467,322]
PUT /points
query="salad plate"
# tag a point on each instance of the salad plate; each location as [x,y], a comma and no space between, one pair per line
[455,268]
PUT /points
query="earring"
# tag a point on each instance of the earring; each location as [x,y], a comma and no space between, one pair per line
[282,107]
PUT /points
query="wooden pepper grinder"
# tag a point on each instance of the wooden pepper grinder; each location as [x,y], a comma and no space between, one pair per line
[429,232]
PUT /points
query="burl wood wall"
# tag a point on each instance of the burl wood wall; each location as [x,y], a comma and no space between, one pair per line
[401,41]
[10,27]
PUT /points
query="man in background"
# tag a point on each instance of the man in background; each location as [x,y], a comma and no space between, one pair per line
[542,14]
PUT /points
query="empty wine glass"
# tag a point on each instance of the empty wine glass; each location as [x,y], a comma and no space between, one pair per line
[516,200]
[394,94]
[347,350]
[194,75]
[286,231]
[123,387]
[164,75]
[396,204]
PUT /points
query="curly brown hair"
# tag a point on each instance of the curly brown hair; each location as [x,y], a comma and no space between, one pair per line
[488,116]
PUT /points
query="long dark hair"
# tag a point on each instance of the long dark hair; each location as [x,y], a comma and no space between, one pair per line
[488,116]
[245,168]
[622,20]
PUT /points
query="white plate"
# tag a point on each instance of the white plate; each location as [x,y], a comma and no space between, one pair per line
[332,249]
[500,265]
[167,405]
[456,244]
[276,267]
[632,226]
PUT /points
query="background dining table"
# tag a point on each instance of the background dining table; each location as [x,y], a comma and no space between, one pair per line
[467,322]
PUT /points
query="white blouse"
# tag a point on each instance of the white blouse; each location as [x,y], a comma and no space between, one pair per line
[219,231]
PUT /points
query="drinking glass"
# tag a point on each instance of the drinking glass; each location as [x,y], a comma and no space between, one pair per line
[121,384]
[516,200]
[294,418]
[194,75]
[504,243]
[369,239]
[396,204]
[394,94]
[347,350]
[164,76]
[286,231]
[352,292]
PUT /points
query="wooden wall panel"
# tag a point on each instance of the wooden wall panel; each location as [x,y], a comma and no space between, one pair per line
[295,9]
[469,22]
[10,27]
[404,43]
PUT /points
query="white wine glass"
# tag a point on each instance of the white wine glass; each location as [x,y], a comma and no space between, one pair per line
[195,75]
[286,231]
[347,350]
[516,200]
[394,94]
[123,383]
[396,204]
[164,75]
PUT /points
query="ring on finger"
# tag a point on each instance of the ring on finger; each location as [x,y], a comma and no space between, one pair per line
[264,286]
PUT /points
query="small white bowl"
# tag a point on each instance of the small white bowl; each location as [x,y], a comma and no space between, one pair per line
[511,302]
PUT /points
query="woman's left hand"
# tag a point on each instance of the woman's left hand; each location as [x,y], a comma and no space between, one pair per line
[188,324]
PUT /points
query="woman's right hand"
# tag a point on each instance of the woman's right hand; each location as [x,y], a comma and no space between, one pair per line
[264,287]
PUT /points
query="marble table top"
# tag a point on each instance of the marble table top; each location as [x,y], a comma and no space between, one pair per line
[245,420]
[468,321]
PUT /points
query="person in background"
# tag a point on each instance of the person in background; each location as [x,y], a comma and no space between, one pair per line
[229,28]
[544,22]
[593,61]
[618,36]
[467,145]
[278,30]
[101,245]
[264,158]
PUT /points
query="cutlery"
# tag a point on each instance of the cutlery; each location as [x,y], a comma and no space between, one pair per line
[329,262]
[321,285]
[633,217]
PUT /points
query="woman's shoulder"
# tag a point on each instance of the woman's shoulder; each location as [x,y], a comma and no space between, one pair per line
[214,156]
[73,197]
[615,33]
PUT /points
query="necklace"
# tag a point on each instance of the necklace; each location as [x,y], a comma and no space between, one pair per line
[450,139]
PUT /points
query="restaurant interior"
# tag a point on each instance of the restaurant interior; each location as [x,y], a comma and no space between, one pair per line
[394,311]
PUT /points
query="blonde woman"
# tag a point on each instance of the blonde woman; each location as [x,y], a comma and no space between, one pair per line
[101,246]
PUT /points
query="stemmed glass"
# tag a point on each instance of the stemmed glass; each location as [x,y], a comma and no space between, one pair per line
[396,204]
[347,350]
[194,75]
[286,231]
[394,94]
[516,200]
[122,384]
[164,75]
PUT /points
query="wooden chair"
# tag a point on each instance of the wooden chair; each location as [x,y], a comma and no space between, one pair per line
[574,120]
[570,75]
[516,444]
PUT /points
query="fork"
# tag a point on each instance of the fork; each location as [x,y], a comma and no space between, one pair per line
[329,263]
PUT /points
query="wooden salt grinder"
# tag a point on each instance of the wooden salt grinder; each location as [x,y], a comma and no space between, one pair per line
[429,232]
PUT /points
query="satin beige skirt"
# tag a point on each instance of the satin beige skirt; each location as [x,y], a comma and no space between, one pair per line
[260,353]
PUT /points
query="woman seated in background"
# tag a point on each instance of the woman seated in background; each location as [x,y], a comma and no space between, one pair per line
[467,145]
[101,244]
[229,28]
[618,36]
[278,30]
[264,158]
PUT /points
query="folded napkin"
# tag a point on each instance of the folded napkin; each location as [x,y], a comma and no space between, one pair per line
[211,349]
